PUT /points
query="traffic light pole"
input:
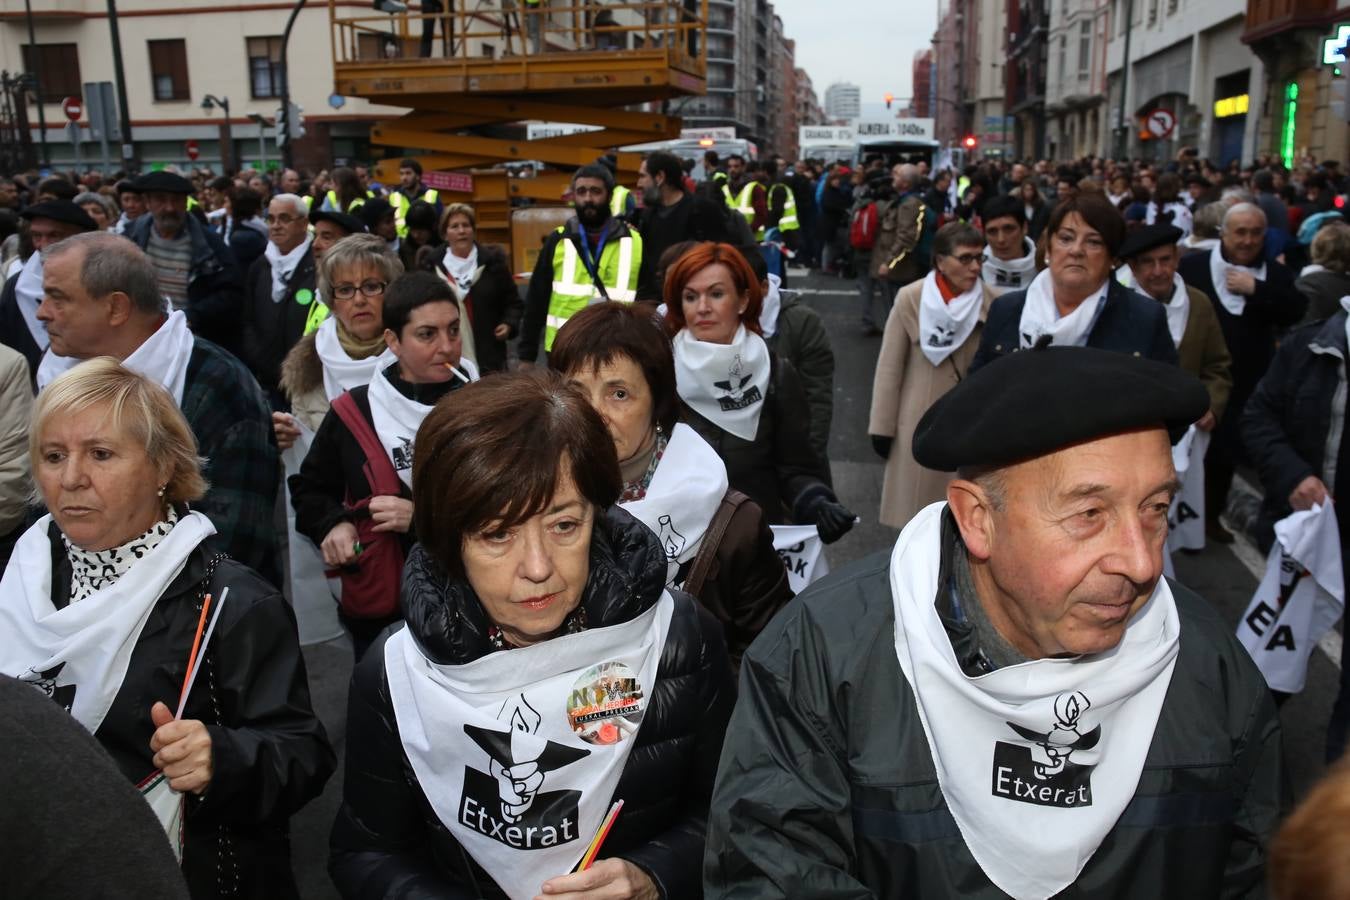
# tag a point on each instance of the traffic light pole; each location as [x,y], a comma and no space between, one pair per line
[37,83]
[284,121]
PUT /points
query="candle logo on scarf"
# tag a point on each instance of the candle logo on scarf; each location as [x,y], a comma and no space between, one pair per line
[507,802]
[736,396]
[1044,773]
[63,695]
[671,540]
[606,704]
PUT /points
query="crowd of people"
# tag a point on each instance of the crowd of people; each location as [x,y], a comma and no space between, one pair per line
[548,510]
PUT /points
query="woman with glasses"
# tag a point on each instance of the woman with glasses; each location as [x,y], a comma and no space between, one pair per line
[931,336]
[1075,301]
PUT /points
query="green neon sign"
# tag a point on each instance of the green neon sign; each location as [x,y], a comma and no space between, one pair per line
[1290,114]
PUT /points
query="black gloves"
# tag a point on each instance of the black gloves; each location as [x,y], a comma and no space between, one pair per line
[882,445]
[833,519]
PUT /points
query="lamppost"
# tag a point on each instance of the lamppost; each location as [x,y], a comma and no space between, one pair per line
[227,152]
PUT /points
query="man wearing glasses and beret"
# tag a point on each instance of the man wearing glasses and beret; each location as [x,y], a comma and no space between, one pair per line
[279,293]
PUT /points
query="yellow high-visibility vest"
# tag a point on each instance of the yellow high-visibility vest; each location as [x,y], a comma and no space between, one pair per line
[402,204]
[573,289]
[337,205]
[742,202]
[618,201]
[788,220]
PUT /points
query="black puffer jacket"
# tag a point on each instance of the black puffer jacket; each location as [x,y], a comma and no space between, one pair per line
[270,755]
[387,841]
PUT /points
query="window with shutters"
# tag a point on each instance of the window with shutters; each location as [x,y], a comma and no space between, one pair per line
[57,67]
[1084,45]
[265,75]
[168,69]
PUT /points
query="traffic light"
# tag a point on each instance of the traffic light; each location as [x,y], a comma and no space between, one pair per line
[279,128]
[295,122]
[889,98]
[969,142]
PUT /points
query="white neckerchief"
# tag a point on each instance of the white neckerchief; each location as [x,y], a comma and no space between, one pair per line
[28,292]
[1195,244]
[943,326]
[79,654]
[1040,315]
[1036,761]
[1115,198]
[684,494]
[1218,267]
[1180,215]
[93,570]
[1301,596]
[1178,306]
[519,752]
[724,383]
[340,371]
[1311,269]
[396,419]
[163,358]
[283,265]
[773,305]
[463,271]
[1004,275]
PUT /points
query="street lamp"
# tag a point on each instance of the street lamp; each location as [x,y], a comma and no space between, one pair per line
[262,123]
[227,152]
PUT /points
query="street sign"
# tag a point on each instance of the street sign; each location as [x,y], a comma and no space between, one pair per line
[1160,123]
[73,107]
[193,151]
[884,130]
[449,181]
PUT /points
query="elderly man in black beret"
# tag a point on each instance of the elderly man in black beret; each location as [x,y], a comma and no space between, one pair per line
[1014,701]
[49,223]
[196,270]
[1151,254]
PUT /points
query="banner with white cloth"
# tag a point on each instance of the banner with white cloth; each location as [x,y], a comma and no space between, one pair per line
[314,596]
[1038,760]
[1301,596]
[803,554]
[1186,518]
[519,752]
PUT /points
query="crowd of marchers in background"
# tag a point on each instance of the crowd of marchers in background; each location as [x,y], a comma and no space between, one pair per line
[333,398]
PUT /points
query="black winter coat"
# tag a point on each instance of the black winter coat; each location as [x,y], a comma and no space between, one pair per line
[14,331]
[779,469]
[494,299]
[388,842]
[270,754]
[828,787]
[215,282]
[1288,418]
[272,328]
[1128,323]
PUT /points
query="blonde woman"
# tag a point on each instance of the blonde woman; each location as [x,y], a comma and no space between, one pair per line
[481,279]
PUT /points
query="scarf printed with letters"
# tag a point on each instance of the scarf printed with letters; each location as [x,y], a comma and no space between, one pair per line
[396,419]
[1040,315]
[944,326]
[519,752]
[1036,761]
[1004,275]
[28,294]
[724,383]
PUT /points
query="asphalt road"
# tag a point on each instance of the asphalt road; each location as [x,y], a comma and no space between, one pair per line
[1216,573]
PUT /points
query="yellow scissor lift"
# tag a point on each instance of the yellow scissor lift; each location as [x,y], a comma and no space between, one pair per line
[596,64]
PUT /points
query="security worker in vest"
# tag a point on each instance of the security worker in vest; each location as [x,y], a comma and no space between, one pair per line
[782,206]
[411,189]
[745,194]
[594,258]
[622,203]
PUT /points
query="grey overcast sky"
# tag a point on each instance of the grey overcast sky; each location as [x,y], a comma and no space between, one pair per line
[868,42]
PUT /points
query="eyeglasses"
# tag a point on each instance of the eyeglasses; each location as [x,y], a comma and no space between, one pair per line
[281,220]
[369,288]
[967,259]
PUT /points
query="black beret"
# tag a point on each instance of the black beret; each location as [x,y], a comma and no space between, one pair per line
[1034,402]
[1144,239]
[349,224]
[60,211]
[164,182]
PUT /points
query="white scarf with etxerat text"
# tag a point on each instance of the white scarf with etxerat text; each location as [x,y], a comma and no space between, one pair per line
[163,358]
[1301,596]
[28,292]
[944,326]
[1178,306]
[340,371]
[1036,761]
[1218,268]
[396,419]
[724,383]
[683,497]
[1186,517]
[1040,316]
[283,265]
[519,752]
[1004,275]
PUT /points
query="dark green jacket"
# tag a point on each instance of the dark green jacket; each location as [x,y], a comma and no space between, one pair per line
[827,787]
[801,340]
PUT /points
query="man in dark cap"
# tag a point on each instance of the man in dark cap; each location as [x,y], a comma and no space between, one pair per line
[196,270]
[1014,701]
[330,227]
[379,218]
[1152,254]
[49,222]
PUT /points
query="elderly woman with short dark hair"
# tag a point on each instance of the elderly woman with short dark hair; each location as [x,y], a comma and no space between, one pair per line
[105,605]
[1075,301]
[931,336]
[544,673]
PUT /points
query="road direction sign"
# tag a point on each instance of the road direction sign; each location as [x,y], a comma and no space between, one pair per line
[73,107]
[1160,123]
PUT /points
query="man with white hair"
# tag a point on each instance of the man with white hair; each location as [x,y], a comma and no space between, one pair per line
[279,293]
[1254,298]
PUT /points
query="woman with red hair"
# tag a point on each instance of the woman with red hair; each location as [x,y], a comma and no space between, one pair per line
[745,402]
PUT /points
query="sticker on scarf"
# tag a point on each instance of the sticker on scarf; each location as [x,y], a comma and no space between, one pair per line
[606,704]
[802,552]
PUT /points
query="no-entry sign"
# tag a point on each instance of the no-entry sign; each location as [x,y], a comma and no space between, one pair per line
[73,107]
[193,151]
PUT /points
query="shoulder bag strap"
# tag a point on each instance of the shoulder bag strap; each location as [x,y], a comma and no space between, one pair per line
[379,468]
[712,538]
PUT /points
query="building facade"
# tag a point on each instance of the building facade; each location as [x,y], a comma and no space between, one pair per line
[1075,78]
[843,102]
[921,104]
